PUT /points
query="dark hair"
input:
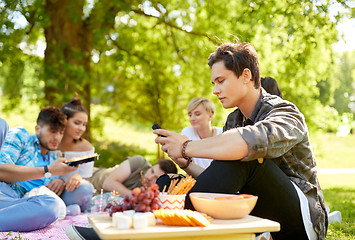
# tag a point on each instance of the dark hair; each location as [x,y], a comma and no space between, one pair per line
[75,105]
[53,117]
[237,57]
[167,166]
[271,86]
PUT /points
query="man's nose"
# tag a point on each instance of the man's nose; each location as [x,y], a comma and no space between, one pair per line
[57,135]
[216,90]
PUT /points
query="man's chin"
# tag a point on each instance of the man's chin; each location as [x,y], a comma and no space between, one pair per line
[227,106]
[52,148]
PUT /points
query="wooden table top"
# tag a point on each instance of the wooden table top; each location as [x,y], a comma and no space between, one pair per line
[246,226]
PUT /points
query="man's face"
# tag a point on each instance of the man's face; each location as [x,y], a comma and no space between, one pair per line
[153,173]
[49,139]
[230,90]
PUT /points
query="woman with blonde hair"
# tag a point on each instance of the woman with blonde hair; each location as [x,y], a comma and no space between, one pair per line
[200,111]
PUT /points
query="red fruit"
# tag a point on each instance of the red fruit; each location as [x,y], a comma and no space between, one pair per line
[140,207]
[155,201]
[126,200]
[146,201]
[136,191]
[154,187]
[141,197]
[154,206]
[148,209]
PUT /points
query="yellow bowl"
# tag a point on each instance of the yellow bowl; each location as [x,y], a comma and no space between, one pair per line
[223,208]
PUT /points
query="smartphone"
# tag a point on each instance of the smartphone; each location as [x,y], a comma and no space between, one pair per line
[156,126]
[83,159]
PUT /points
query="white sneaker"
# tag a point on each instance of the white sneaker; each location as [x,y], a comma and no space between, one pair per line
[264,236]
[334,217]
[73,210]
[81,233]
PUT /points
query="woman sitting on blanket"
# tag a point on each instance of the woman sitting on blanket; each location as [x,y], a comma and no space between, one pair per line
[73,145]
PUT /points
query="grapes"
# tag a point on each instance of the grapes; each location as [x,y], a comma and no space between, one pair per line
[143,199]
[154,187]
[146,201]
[136,191]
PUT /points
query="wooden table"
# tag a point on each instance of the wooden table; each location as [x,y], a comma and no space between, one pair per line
[244,228]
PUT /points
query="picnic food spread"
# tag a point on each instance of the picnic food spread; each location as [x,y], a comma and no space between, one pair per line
[136,211]
[140,210]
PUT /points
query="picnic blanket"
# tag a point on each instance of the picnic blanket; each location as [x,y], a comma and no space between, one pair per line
[55,231]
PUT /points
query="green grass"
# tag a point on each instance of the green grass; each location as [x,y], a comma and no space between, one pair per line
[114,140]
[343,200]
[332,151]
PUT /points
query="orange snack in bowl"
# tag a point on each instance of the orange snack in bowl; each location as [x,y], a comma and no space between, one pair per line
[235,197]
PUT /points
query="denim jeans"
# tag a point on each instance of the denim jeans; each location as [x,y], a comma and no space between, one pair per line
[25,214]
[81,196]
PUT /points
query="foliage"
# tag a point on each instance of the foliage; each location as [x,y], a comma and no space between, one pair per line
[345,74]
[147,59]
[338,91]
[113,153]
[10,236]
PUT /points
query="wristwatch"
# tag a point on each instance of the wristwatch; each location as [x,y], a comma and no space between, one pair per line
[47,174]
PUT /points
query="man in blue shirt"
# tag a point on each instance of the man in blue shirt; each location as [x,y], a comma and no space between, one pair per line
[27,162]
[4,128]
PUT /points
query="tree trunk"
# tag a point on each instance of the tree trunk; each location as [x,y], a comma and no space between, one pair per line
[67,56]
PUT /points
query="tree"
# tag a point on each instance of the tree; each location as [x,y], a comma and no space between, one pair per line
[345,74]
[147,59]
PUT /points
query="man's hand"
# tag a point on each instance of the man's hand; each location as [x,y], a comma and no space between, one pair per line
[60,168]
[171,144]
[73,182]
[180,161]
[57,186]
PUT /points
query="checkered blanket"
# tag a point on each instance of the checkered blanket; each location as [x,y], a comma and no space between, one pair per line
[55,231]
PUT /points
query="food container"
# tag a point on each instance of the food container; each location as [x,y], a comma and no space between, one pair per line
[168,201]
[223,206]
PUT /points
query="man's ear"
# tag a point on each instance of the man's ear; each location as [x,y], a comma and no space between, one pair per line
[37,128]
[246,75]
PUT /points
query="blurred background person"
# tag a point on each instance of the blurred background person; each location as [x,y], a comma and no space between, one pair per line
[200,111]
[4,128]
[270,85]
[125,176]
[73,145]
[122,178]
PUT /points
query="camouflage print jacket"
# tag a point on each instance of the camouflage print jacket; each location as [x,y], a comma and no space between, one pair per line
[277,130]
